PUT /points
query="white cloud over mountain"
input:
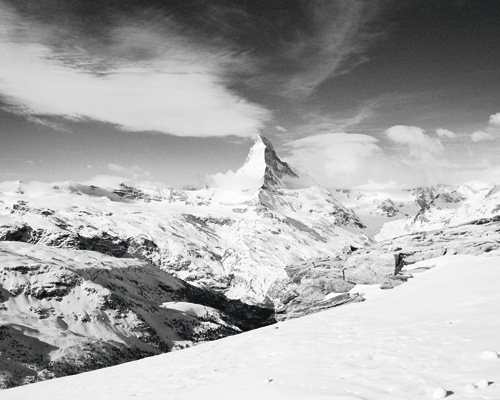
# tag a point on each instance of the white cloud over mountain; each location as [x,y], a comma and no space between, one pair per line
[341,160]
[178,89]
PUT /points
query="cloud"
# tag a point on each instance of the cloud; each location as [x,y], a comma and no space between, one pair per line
[419,145]
[341,160]
[135,172]
[110,181]
[329,41]
[446,133]
[481,136]
[234,181]
[495,120]
[316,124]
[148,78]
[489,132]
[116,168]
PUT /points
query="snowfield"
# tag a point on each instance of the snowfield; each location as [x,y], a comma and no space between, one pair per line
[435,336]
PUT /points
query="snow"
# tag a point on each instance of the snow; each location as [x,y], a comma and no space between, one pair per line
[439,393]
[490,355]
[367,291]
[443,206]
[424,339]
[251,236]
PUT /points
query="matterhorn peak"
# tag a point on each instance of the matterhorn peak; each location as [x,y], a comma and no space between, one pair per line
[264,164]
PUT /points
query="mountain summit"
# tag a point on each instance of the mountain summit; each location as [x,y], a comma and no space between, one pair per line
[264,164]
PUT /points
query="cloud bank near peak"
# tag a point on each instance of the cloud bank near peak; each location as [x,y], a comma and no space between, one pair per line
[342,160]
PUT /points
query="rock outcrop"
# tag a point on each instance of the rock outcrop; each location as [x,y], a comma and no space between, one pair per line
[316,283]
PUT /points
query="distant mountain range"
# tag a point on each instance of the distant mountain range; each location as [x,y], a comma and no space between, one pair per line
[392,214]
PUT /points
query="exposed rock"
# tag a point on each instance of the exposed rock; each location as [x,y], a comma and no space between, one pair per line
[263,163]
[369,267]
[92,310]
[305,307]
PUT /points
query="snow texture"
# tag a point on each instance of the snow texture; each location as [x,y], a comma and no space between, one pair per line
[424,339]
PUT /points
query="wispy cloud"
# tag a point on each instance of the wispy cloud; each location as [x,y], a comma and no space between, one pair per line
[316,123]
[332,42]
[141,79]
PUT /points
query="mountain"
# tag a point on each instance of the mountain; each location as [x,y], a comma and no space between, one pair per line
[66,311]
[96,276]
[264,165]
[433,337]
[235,242]
[93,276]
[396,213]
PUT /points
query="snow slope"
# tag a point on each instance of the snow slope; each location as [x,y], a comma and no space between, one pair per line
[435,336]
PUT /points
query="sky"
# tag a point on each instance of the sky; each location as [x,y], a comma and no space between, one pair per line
[361,94]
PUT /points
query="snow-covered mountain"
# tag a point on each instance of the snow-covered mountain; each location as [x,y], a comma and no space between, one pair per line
[66,311]
[93,276]
[433,337]
[236,242]
[396,213]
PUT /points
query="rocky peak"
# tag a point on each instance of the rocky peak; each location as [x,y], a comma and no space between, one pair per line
[263,163]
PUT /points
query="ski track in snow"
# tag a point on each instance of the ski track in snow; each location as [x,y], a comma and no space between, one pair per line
[436,336]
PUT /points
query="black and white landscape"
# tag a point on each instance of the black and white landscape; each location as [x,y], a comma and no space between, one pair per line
[249,199]
[93,277]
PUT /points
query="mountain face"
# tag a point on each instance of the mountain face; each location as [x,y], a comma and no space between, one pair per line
[388,215]
[235,242]
[264,165]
